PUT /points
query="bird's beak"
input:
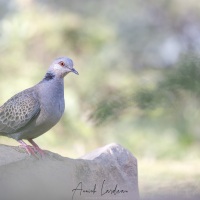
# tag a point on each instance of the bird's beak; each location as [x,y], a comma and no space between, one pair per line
[74,71]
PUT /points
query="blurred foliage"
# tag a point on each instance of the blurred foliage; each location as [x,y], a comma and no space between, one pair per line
[139,78]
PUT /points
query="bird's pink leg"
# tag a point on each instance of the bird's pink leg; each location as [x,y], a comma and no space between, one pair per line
[36,147]
[27,147]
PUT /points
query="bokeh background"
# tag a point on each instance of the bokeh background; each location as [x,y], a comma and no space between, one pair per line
[139,82]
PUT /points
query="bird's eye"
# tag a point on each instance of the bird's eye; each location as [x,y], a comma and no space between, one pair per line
[61,63]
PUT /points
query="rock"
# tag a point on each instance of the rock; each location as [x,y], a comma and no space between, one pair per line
[109,172]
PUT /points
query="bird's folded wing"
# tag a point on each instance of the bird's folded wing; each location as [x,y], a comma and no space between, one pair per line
[18,111]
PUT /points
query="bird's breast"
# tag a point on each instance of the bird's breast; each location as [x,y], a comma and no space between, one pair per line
[52,103]
[53,110]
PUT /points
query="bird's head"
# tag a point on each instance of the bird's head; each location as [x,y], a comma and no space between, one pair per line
[61,67]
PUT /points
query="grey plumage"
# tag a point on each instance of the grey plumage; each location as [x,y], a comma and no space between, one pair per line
[34,111]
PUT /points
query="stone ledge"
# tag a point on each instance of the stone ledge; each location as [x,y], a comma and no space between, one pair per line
[109,172]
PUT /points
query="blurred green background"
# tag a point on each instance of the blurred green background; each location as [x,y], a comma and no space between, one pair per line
[139,82]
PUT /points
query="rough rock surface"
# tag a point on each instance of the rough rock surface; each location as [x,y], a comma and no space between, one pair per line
[109,172]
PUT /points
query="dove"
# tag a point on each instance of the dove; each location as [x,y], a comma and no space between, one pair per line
[35,110]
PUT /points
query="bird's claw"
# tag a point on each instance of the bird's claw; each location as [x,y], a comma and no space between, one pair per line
[31,150]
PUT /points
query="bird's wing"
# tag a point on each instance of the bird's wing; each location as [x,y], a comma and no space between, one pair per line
[18,111]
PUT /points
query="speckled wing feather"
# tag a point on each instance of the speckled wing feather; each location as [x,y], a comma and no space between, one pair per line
[18,111]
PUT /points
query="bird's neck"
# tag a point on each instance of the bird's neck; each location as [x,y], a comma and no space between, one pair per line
[49,76]
[53,81]
[51,88]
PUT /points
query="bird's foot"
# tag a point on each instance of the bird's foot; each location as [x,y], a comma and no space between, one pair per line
[38,150]
[28,148]
[36,147]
